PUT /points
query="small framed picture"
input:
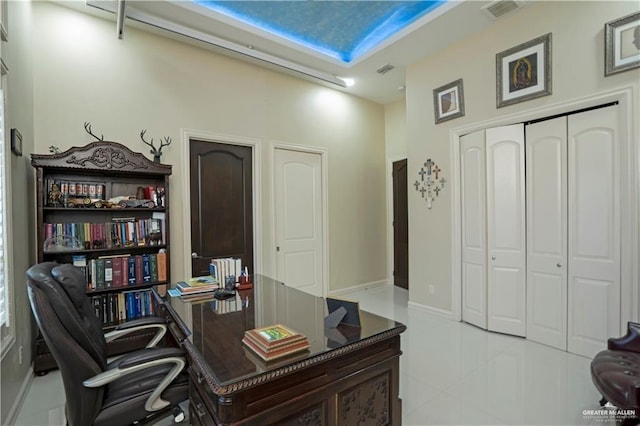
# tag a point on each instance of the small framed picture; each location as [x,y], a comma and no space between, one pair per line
[448,101]
[16,142]
[622,44]
[524,72]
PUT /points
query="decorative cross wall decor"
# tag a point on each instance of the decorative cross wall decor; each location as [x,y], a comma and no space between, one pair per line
[430,187]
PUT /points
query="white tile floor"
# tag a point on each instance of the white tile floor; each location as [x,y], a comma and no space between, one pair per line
[451,374]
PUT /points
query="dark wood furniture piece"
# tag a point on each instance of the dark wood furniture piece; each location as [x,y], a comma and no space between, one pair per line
[115,170]
[615,372]
[349,376]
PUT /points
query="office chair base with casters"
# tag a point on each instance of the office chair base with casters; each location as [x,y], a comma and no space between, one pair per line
[136,388]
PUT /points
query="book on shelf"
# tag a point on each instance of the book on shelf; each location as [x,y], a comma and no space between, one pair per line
[162,266]
[275,342]
[108,273]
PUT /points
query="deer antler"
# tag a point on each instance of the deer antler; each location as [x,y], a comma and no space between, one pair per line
[166,139]
[157,152]
[148,143]
[87,127]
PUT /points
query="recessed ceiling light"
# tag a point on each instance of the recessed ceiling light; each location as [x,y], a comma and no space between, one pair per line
[348,81]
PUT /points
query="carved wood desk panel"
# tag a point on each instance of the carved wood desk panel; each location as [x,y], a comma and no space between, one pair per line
[350,375]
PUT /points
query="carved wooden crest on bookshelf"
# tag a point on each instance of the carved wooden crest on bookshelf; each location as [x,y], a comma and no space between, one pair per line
[109,157]
[101,155]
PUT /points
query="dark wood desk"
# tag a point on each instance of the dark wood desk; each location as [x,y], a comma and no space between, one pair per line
[349,377]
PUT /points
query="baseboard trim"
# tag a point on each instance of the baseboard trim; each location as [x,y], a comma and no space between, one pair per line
[430,309]
[22,394]
[353,289]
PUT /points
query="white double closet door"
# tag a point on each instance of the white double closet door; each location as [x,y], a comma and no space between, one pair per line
[540,230]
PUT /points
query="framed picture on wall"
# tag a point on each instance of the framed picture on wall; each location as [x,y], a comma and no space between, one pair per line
[16,142]
[524,72]
[448,101]
[622,44]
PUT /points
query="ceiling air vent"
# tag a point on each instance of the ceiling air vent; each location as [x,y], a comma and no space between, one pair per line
[385,69]
[499,8]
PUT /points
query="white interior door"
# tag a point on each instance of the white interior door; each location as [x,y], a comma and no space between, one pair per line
[298,218]
[474,252]
[594,230]
[546,181]
[506,265]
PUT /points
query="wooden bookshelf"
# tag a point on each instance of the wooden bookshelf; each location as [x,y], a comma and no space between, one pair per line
[81,224]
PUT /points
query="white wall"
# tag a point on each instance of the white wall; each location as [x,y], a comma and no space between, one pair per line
[84,73]
[16,53]
[578,71]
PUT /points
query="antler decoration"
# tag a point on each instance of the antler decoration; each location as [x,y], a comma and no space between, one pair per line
[87,127]
[157,152]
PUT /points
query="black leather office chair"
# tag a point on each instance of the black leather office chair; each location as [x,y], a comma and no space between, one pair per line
[143,385]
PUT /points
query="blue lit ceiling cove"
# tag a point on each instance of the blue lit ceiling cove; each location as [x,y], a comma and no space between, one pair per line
[344,30]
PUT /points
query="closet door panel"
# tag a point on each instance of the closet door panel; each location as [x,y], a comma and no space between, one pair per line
[473,194]
[594,230]
[506,229]
[546,181]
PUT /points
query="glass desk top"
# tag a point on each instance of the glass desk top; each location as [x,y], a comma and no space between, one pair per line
[217,328]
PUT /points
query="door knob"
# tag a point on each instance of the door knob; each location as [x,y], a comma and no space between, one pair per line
[194,255]
[277,248]
[493,258]
[558,265]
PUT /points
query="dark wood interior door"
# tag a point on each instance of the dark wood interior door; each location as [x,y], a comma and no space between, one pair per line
[221,204]
[400,225]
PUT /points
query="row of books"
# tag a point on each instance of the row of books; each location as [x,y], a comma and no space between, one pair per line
[123,270]
[112,308]
[120,232]
[275,341]
[226,267]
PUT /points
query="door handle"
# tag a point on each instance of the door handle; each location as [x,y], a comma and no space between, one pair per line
[558,265]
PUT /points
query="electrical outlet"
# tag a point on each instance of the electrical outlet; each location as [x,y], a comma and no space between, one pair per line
[432,289]
[20,354]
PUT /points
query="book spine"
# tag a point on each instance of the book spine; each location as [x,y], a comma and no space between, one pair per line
[131,271]
[146,268]
[117,271]
[139,269]
[99,274]
[108,273]
[162,266]
[153,265]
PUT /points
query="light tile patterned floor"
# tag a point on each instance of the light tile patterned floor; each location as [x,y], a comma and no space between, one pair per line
[451,374]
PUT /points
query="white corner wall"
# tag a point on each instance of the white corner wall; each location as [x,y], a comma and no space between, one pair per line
[82,72]
[578,71]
